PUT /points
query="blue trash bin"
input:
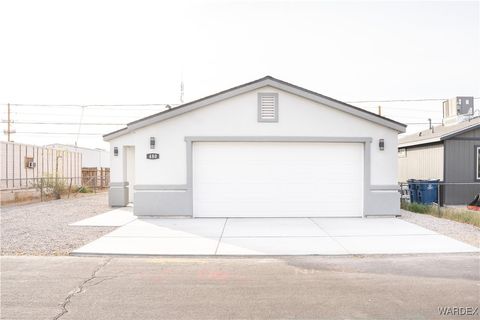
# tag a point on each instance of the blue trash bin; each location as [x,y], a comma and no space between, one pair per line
[412,190]
[427,191]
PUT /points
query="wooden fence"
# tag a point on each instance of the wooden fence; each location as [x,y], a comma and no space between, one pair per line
[96,177]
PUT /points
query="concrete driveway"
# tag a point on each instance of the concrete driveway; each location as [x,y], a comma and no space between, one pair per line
[272,236]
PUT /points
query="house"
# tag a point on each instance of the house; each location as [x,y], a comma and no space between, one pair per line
[450,153]
[266,148]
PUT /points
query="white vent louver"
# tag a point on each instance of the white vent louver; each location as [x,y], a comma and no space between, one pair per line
[267,107]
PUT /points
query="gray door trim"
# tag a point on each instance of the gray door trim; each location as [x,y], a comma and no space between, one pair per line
[366,153]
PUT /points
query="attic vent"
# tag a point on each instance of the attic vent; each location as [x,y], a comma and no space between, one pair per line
[268,107]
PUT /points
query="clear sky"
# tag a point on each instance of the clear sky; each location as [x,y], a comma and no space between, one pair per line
[135,52]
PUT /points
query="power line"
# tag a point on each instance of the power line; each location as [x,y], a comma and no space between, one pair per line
[176,104]
[92,105]
[71,115]
[414,123]
[402,100]
[98,108]
[124,124]
[72,133]
[68,123]
[173,104]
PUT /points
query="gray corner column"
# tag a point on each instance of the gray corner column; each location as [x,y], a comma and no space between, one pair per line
[118,194]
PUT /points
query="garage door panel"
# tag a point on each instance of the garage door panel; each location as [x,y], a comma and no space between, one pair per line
[259,179]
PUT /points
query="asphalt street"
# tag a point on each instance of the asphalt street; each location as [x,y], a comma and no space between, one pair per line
[308,287]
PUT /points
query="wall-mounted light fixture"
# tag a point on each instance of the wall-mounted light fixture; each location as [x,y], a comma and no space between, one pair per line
[381,144]
[115,151]
[152,142]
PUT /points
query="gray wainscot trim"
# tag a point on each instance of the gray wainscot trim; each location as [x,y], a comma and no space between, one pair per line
[170,200]
[118,194]
[382,203]
[162,200]
[119,184]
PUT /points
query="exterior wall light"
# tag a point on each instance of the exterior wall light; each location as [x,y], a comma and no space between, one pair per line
[115,151]
[152,142]
[381,144]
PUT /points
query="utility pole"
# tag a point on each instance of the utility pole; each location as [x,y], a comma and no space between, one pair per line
[8,125]
[9,130]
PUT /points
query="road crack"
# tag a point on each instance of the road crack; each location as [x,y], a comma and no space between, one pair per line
[81,288]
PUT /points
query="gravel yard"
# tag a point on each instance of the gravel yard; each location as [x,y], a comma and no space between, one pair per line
[42,228]
[460,231]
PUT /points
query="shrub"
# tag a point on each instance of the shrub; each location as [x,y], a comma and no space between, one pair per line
[454,214]
[53,186]
[84,189]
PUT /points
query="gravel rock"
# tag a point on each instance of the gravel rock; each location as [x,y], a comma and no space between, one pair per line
[42,228]
[457,230]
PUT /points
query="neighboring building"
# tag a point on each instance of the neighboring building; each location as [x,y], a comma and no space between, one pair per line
[95,165]
[91,158]
[450,153]
[266,148]
[457,110]
[22,165]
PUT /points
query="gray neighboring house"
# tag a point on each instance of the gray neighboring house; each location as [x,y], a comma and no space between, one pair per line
[450,153]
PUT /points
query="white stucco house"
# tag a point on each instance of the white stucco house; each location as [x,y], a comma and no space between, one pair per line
[266,148]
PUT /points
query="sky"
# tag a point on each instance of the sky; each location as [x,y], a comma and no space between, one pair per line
[65,54]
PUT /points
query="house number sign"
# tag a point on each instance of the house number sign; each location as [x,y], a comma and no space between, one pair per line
[153,156]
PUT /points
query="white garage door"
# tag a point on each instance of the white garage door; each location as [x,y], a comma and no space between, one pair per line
[277,179]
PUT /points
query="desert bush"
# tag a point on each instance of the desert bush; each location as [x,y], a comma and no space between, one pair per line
[454,214]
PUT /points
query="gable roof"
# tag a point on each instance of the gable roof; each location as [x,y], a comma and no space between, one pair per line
[262,82]
[439,133]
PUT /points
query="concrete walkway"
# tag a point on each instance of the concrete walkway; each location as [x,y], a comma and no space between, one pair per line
[272,236]
[113,218]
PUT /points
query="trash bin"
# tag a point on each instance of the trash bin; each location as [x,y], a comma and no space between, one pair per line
[412,190]
[427,191]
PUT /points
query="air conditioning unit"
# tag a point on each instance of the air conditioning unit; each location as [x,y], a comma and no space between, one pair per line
[31,164]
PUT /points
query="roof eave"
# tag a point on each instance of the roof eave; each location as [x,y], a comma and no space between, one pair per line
[419,142]
[114,134]
[456,133]
[265,81]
